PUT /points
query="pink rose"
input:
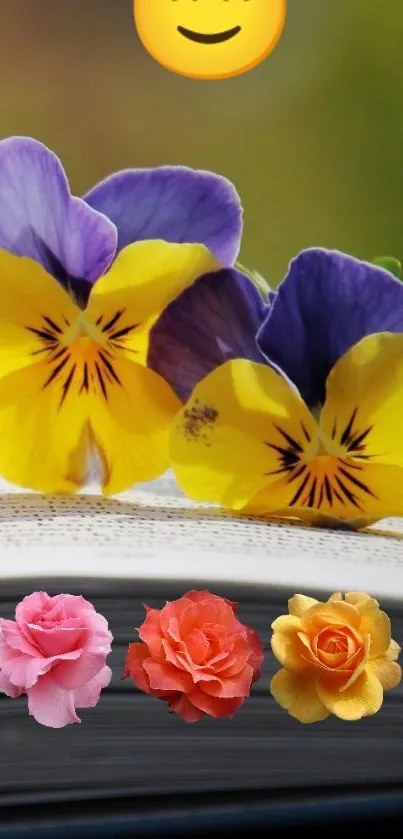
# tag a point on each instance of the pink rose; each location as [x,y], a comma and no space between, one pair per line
[55,652]
[196,656]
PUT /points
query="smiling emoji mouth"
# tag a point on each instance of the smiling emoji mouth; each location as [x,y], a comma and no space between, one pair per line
[214,38]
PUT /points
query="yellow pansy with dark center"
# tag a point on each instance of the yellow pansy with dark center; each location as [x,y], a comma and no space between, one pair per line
[74,383]
[246,439]
[318,472]
[82,354]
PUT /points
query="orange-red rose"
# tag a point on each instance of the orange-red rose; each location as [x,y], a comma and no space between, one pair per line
[196,656]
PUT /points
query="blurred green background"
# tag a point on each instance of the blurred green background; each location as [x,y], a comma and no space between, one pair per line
[312,138]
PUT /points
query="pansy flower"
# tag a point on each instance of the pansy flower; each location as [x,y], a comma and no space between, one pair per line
[314,434]
[214,320]
[82,281]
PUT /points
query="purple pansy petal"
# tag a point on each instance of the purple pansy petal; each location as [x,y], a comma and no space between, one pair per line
[172,203]
[40,218]
[327,303]
[212,321]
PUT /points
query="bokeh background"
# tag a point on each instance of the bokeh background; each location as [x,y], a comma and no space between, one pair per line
[312,138]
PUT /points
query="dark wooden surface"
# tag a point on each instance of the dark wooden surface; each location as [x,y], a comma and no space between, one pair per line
[130,746]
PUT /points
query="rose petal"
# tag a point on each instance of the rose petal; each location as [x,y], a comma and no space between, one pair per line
[331,660]
[376,624]
[388,672]
[197,596]
[37,603]
[356,664]
[287,643]
[135,658]
[70,675]
[226,617]
[229,688]
[50,705]
[174,631]
[198,646]
[25,671]
[40,219]
[299,604]
[362,699]
[178,658]
[243,652]
[356,597]
[8,688]
[12,637]
[175,204]
[298,695]
[173,611]
[198,614]
[57,640]
[323,614]
[167,677]
[217,708]
[185,709]
[257,652]
[88,695]
[99,638]
[74,605]
[231,664]
[150,632]
[287,623]
[393,651]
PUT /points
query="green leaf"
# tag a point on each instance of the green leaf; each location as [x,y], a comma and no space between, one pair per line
[391,264]
[256,278]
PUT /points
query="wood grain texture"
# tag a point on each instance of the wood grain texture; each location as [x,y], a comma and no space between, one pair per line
[131,746]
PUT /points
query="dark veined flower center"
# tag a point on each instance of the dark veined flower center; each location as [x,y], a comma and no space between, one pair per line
[325,471]
[83,354]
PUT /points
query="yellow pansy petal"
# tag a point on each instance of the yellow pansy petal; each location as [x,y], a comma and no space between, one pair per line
[32,303]
[364,398]
[298,604]
[130,425]
[388,672]
[298,695]
[226,441]
[362,699]
[383,497]
[336,611]
[376,624]
[393,651]
[274,500]
[379,496]
[143,279]
[335,597]
[44,439]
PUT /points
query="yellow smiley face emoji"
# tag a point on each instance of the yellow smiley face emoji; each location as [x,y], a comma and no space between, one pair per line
[209,39]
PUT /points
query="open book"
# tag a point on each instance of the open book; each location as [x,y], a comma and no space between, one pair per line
[150,546]
[155,533]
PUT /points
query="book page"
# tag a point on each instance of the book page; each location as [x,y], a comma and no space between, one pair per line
[155,532]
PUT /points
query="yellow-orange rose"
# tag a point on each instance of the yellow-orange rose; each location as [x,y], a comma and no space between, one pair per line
[338,657]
